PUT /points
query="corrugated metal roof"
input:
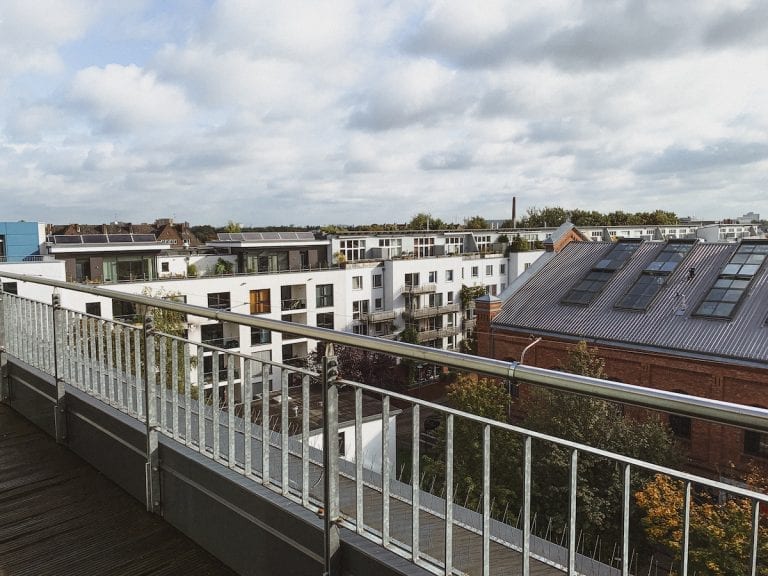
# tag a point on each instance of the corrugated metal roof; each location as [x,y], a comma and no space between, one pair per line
[60,516]
[536,305]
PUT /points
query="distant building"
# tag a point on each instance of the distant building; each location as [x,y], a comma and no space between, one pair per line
[748,218]
[681,315]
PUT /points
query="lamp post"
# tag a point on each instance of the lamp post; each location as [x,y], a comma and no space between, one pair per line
[509,382]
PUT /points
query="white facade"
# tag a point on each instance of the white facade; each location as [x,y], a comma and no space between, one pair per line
[371,429]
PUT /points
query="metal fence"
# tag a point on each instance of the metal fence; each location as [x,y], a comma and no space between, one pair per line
[259,418]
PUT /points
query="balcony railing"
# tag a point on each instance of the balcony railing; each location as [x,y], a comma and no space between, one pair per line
[156,378]
[431,311]
[293,304]
[428,335]
[419,288]
[381,316]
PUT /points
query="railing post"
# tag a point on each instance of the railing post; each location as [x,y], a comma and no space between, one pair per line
[152,466]
[4,388]
[331,462]
[60,410]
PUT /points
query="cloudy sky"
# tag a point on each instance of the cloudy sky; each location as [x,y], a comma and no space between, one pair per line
[309,112]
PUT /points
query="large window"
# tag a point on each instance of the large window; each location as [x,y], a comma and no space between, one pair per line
[424,247]
[128,268]
[219,300]
[412,279]
[352,249]
[212,334]
[357,282]
[93,308]
[359,308]
[377,281]
[454,245]
[755,444]
[325,320]
[260,336]
[324,293]
[260,301]
[390,247]
[11,288]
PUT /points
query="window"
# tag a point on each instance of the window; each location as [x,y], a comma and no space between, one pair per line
[377,281]
[483,242]
[219,300]
[475,271]
[93,308]
[424,247]
[165,267]
[526,266]
[449,297]
[734,280]
[359,308]
[260,301]
[357,282]
[433,277]
[587,289]
[11,288]
[755,443]
[680,425]
[122,310]
[434,300]
[502,268]
[654,276]
[212,334]
[325,320]
[454,245]
[352,249]
[378,303]
[412,279]
[360,329]
[260,336]
[390,247]
[342,444]
[449,275]
[489,269]
[324,293]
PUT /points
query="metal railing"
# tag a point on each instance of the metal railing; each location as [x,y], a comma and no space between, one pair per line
[258,421]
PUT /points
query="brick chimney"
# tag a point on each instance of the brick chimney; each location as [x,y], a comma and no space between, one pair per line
[486,309]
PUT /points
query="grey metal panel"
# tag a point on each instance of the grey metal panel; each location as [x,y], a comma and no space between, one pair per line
[665,325]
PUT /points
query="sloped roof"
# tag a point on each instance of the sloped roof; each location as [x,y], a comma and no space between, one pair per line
[669,322]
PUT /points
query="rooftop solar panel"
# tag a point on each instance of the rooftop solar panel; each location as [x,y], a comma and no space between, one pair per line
[144,238]
[120,238]
[67,239]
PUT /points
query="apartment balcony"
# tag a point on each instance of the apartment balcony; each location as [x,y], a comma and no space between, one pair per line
[431,311]
[151,428]
[419,288]
[380,316]
[470,323]
[428,335]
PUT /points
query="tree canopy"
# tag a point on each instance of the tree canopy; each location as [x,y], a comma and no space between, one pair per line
[476,223]
[553,216]
[424,221]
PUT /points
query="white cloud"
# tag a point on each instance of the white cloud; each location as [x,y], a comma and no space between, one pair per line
[124,98]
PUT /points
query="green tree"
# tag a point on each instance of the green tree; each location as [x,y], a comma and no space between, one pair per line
[476,223]
[519,244]
[233,227]
[424,221]
[204,233]
[599,424]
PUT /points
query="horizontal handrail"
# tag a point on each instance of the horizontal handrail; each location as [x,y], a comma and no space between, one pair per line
[695,407]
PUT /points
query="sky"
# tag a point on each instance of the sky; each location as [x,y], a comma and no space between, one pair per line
[342,112]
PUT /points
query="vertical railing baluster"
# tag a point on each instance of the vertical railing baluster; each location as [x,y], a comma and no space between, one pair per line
[359,484]
[174,388]
[486,500]
[449,494]
[150,409]
[247,417]
[527,505]
[120,375]
[215,404]
[686,529]
[331,462]
[265,431]
[755,537]
[137,352]
[162,343]
[187,395]
[112,380]
[200,400]
[231,456]
[93,381]
[284,480]
[415,484]
[305,440]
[102,360]
[60,419]
[385,471]
[572,486]
[625,558]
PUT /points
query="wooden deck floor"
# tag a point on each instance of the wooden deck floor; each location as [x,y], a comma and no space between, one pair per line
[59,516]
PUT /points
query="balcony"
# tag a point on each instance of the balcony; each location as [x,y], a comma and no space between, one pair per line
[428,335]
[419,288]
[380,316]
[431,311]
[150,427]
[470,323]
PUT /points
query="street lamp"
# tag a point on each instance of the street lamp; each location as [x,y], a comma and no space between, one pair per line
[509,382]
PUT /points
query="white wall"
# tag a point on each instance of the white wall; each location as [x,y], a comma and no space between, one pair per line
[371,431]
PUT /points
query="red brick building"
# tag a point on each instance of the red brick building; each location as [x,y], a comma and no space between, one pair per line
[679,316]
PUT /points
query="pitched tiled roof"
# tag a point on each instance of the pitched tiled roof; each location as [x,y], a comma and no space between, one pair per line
[668,323]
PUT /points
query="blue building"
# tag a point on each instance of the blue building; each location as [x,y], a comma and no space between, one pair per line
[20,240]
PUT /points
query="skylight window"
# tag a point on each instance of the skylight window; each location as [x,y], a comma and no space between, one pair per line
[734,280]
[600,274]
[654,276]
